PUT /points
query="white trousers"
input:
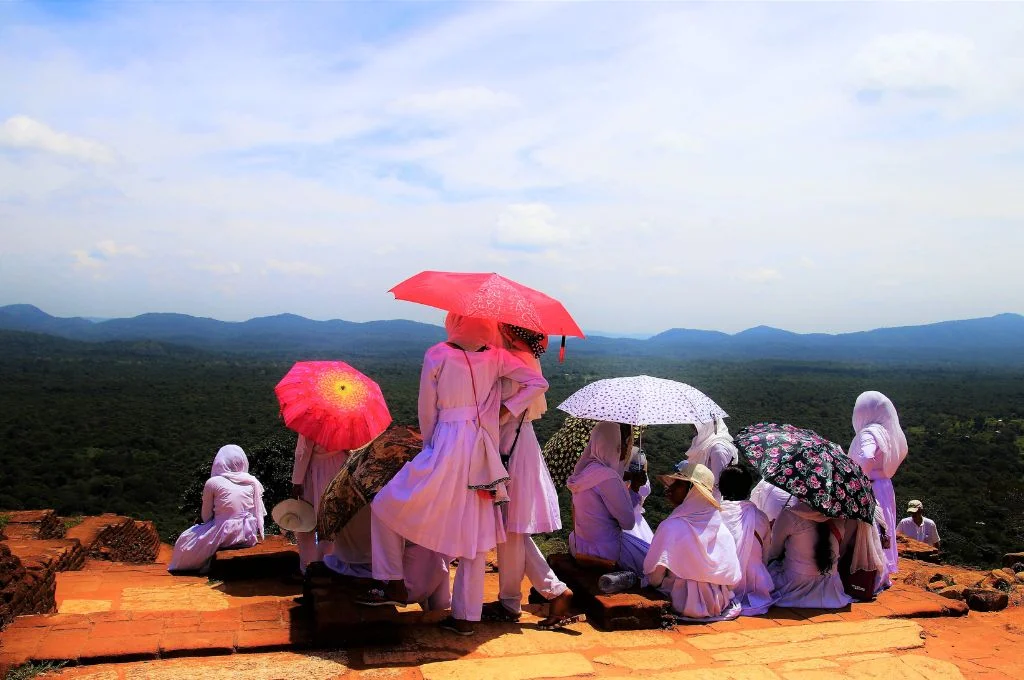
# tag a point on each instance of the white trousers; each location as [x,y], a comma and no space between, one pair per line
[424,571]
[468,589]
[310,550]
[519,556]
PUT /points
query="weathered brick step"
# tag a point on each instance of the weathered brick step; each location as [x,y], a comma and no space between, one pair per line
[273,557]
[646,609]
[27,524]
[117,538]
[123,636]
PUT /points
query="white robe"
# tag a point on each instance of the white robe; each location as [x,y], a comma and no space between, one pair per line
[880,447]
[232,513]
[797,579]
[770,499]
[693,561]
[430,501]
[314,468]
[752,533]
[713,448]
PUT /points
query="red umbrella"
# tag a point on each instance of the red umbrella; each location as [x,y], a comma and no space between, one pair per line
[333,404]
[489,296]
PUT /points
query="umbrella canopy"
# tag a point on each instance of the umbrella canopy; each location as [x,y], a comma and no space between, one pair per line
[364,474]
[489,296]
[812,468]
[333,404]
[642,400]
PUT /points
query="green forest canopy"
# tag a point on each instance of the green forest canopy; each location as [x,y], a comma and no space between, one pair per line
[127,427]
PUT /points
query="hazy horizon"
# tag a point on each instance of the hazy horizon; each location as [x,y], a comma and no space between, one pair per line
[817,167]
[439,322]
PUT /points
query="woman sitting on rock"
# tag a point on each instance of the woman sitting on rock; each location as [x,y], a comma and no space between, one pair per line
[751,530]
[693,558]
[604,509]
[803,559]
[232,513]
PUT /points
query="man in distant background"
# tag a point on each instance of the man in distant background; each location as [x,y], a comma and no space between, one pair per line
[917,526]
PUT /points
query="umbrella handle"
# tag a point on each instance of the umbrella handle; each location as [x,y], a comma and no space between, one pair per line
[561,352]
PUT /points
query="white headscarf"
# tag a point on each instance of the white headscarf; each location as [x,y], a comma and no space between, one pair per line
[471,333]
[601,460]
[695,545]
[770,499]
[709,436]
[874,413]
[232,464]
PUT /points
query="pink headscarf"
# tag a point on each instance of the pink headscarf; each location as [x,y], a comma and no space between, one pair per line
[875,414]
[600,460]
[471,333]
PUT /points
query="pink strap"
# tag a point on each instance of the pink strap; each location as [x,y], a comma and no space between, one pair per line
[472,380]
[835,532]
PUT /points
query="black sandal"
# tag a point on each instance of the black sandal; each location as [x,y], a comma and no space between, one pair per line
[559,622]
[450,624]
[496,612]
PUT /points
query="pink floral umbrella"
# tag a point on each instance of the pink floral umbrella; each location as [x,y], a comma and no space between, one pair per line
[812,468]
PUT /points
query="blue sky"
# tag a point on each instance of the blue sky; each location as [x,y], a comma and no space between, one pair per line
[813,166]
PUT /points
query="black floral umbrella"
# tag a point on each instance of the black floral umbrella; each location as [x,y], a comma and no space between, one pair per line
[812,468]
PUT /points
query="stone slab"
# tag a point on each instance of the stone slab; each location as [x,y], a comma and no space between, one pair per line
[566,665]
[273,557]
[635,609]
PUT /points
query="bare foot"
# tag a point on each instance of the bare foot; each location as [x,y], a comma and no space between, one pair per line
[558,610]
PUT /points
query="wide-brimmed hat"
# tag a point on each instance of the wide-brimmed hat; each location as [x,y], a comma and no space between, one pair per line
[294,515]
[700,476]
[915,506]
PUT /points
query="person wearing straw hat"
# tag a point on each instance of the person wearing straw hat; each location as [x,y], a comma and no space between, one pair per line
[693,558]
[919,527]
[232,513]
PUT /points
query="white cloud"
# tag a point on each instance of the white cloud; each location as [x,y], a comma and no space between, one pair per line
[219,268]
[455,103]
[22,132]
[763,275]
[597,152]
[110,249]
[530,227]
[917,63]
[294,268]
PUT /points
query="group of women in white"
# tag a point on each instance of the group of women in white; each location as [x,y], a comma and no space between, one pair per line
[480,483]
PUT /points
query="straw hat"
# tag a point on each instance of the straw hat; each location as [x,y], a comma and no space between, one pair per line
[700,476]
[914,506]
[294,515]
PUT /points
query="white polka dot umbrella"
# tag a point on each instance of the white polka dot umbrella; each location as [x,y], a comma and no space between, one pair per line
[642,400]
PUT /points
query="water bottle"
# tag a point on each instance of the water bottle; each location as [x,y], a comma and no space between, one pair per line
[616,582]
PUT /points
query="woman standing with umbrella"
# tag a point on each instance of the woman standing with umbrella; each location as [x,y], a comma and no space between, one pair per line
[446,499]
[879,448]
[533,501]
[334,408]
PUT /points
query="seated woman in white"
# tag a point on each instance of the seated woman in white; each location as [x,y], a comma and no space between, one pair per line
[752,532]
[803,559]
[693,556]
[603,507]
[232,513]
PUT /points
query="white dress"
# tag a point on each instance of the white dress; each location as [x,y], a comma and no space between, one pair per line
[798,581]
[752,533]
[314,468]
[229,521]
[641,529]
[433,500]
[693,561]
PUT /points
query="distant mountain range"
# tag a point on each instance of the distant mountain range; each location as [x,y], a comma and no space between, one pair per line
[992,340]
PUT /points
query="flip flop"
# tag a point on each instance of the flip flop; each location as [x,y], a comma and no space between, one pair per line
[376,597]
[561,621]
[449,624]
[495,612]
